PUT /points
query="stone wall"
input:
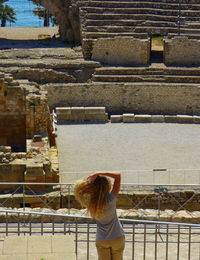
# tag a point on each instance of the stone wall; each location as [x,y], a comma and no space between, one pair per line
[121,51]
[23,112]
[12,114]
[124,98]
[181,51]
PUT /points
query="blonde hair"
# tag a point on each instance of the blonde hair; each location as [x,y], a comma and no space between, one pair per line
[92,194]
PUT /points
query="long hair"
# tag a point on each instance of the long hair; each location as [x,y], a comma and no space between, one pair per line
[92,194]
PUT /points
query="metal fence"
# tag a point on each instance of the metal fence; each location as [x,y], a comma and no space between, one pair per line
[156,176]
[147,240]
[132,196]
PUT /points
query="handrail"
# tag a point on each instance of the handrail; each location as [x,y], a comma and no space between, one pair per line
[89,218]
[72,183]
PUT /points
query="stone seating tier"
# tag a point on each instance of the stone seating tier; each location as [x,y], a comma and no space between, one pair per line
[104,19]
[173,75]
[164,2]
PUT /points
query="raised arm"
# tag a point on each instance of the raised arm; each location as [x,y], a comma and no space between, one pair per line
[115,176]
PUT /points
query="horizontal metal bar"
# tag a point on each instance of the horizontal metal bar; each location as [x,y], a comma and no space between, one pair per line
[123,184]
[87,217]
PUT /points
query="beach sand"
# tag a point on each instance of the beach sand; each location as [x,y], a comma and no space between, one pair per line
[27,33]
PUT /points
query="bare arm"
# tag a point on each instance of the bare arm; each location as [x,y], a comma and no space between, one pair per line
[115,176]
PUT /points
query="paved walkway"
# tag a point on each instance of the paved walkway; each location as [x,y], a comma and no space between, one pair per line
[47,247]
[134,149]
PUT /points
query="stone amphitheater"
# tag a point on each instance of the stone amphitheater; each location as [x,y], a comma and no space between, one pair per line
[138,62]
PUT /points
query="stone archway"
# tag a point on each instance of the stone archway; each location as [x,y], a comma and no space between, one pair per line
[67,16]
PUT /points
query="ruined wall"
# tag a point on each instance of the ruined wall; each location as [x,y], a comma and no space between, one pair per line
[181,51]
[12,114]
[121,51]
[67,16]
[138,99]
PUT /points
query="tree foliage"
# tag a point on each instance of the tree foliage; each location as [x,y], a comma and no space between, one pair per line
[7,13]
[44,14]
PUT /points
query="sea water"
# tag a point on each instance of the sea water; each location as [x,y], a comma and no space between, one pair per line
[24,14]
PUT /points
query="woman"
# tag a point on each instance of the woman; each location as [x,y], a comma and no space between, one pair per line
[98,195]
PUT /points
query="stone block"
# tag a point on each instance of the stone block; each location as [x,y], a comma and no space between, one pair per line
[196,119]
[143,118]
[116,118]
[63,114]
[170,119]
[97,117]
[131,51]
[184,119]
[35,170]
[94,110]
[128,118]
[95,114]
[157,118]
[77,114]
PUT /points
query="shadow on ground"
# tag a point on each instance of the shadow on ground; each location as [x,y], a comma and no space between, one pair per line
[30,44]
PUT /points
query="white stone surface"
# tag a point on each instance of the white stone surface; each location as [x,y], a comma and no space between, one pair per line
[131,149]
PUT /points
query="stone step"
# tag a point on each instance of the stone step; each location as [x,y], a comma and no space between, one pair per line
[147,71]
[122,3]
[138,28]
[108,16]
[95,35]
[151,29]
[48,63]
[132,23]
[141,10]
[193,25]
[47,71]
[139,4]
[147,78]
[182,34]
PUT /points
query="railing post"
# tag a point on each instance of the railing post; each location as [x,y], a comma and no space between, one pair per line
[144,249]
[68,201]
[167,241]
[88,240]
[189,244]
[133,242]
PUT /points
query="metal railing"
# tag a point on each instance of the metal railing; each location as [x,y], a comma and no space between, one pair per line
[147,240]
[155,176]
[134,196]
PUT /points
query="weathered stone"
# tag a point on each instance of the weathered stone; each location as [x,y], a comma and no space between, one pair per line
[184,119]
[143,118]
[196,119]
[157,118]
[177,53]
[128,118]
[170,119]
[116,118]
[131,51]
